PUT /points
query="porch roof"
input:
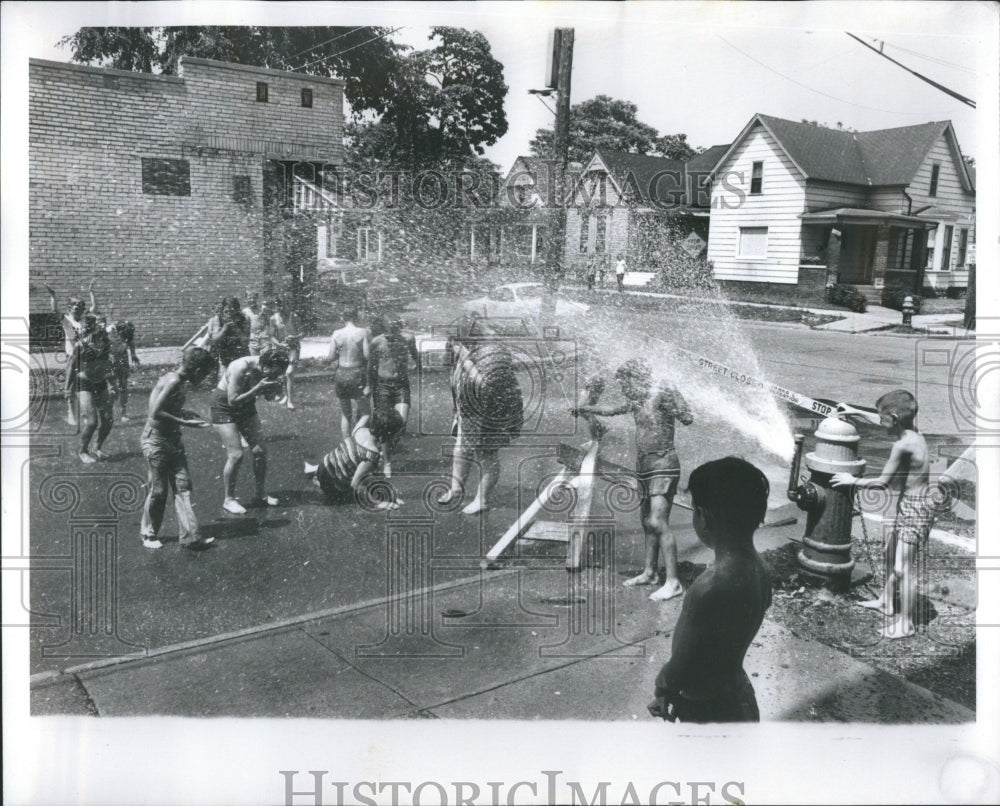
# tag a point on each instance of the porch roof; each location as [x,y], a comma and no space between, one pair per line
[859,215]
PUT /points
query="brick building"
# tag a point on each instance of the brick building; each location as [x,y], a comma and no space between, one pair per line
[173,191]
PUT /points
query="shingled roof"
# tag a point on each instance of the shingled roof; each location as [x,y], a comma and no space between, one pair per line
[644,169]
[706,160]
[881,157]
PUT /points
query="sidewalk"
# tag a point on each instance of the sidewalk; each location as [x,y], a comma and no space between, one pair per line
[874,319]
[507,644]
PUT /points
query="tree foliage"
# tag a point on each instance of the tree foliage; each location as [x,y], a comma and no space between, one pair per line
[364,57]
[608,123]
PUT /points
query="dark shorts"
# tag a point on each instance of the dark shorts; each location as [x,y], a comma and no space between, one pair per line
[222,411]
[391,393]
[99,392]
[658,473]
[349,382]
[738,704]
[914,519]
[120,369]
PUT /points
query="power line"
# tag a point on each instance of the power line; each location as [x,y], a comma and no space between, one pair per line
[929,58]
[327,42]
[944,89]
[799,83]
[353,47]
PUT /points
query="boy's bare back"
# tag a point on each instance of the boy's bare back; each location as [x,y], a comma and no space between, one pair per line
[722,612]
[349,344]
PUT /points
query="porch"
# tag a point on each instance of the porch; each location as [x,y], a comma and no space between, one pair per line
[868,248]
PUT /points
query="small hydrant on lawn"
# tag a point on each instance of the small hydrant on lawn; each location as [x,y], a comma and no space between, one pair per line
[908,311]
[825,558]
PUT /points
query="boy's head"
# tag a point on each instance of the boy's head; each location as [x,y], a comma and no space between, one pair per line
[897,408]
[351,315]
[729,497]
[274,362]
[76,307]
[196,364]
[385,423]
[125,330]
[635,378]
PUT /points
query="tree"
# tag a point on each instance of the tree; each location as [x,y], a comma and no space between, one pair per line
[840,127]
[611,124]
[675,147]
[601,122]
[364,57]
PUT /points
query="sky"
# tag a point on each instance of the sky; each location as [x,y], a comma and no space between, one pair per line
[702,69]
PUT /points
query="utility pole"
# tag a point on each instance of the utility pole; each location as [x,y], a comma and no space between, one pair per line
[562,67]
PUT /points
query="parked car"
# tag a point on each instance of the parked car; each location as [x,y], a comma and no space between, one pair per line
[521,302]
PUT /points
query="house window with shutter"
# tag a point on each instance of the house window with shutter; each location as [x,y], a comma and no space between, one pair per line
[584,231]
[935,173]
[756,178]
[601,236]
[753,242]
[949,233]
[963,248]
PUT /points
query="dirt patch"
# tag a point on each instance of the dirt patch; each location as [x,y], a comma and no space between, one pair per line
[941,657]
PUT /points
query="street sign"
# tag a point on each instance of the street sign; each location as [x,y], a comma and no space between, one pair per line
[693,244]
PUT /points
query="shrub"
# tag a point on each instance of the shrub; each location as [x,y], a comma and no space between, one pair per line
[893,296]
[929,292]
[955,292]
[847,296]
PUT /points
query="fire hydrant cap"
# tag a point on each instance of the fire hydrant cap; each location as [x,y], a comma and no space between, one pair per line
[836,430]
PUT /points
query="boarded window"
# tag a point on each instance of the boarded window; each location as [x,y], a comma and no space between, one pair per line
[963,247]
[307,97]
[753,242]
[756,178]
[584,231]
[165,177]
[949,233]
[262,92]
[935,173]
[242,190]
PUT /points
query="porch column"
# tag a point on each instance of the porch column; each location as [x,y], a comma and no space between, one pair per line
[881,257]
[534,239]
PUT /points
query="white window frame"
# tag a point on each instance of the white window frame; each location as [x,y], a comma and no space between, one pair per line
[739,243]
[365,254]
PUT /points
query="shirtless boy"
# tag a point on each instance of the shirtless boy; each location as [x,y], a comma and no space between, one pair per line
[657,466]
[349,349]
[121,335]
[723,609]
[907,472]
[87,380]
[234,415]
[389,374]
[286,331]
[164,450]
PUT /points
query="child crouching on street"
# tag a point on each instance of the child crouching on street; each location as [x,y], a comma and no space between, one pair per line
[723,609]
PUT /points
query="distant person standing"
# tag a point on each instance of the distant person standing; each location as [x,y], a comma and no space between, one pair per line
[258,322]
[286,331]
[87,377]
[228,333]
[591,273]
[389,375]
[72,323]
[620,272]
[121,335]
[349,348]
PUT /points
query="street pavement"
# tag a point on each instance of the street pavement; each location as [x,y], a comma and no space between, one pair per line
[310,610]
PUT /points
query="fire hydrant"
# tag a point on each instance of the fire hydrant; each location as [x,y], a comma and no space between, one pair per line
[826,556]
[908,310]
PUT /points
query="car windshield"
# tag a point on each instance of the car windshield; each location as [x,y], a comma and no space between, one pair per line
[529,291]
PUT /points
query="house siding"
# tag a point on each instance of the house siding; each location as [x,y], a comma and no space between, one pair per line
[162,261]
[777,207]
[951,197]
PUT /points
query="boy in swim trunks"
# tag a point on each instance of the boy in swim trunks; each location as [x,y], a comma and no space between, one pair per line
[342,472]
[657,466]
[286,331]
[389,374]
[164,450]
[72,327]
[234,415]
[723,609]
[349,348]
[908,472]
[122,337]
[87,379]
